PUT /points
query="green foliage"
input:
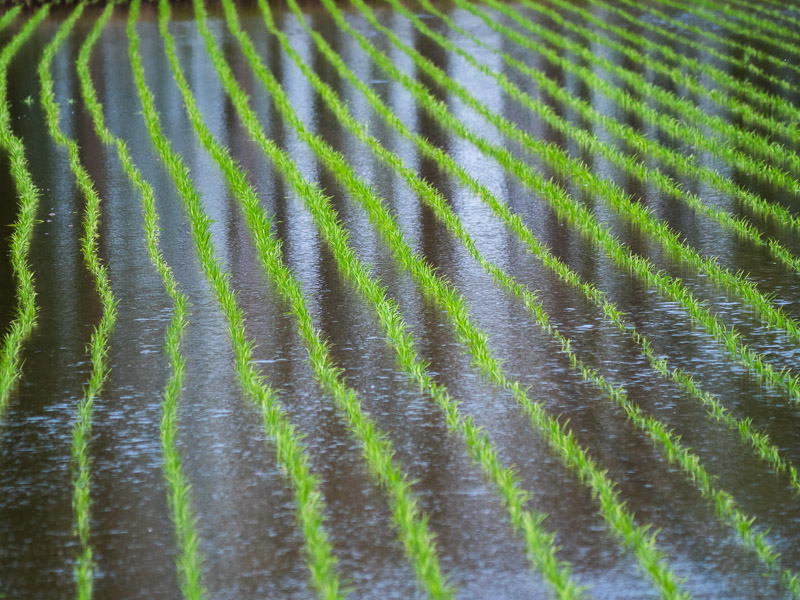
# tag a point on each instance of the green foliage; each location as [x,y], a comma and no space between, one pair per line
[377,448]
[757,440]
[674,451]
[291,453]
[98,344]
[723,144]
[22,230]
[189,560]
[750,116]
[585,222]
[742,23]
[680,39]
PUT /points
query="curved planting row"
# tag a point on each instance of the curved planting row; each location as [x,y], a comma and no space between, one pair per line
[784,46]
[759,117]
[774,14]
[645,146]
[25,313]
[748,51]
[376,446]
[687,126]
[630,164]
[757,144]
[760,26]
[292,455]
[579,216]
[726,507]
[189,559]
[612,193]
[681,39]
[539,543]
[741,148]
[98,344]
[759,442]
[620,520]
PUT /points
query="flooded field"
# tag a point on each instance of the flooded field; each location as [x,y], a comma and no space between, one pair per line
[400,299]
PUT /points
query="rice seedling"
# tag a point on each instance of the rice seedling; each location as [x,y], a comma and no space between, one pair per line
[613,194]
[760,105]
[303,74]
[635,168]
[753,30]
[581,218]
[98,344]
[377,448]
[728,137]
[675,452]
[759,442]
[292,455]
[749,52]
[9,16]
[539,543]
[620,520]
[646,147]
[587,141]
[751,22]
[773,13]
[189,559]
[674,35]
[25,312]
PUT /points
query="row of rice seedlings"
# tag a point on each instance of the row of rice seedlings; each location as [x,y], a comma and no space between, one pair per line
[292,455]
[748,111]
[680,39]
[748,52]
[24,319]
[634,537]
[9,16]
[727,509]
[586,222]
[630,164]
[757,440]
[773,13]
[741,32]
[98,344]
[189,560]
[759,117]
[540,547]
[685,165]
[408,518]
[739,16]
[621,202]
[688,126]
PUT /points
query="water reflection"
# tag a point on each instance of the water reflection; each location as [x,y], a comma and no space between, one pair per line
[244,504]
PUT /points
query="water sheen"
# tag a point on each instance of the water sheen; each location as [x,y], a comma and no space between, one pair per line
[243,502]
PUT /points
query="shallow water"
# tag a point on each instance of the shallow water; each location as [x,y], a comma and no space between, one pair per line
[243,502]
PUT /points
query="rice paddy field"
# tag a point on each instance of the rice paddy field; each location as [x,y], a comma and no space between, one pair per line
[388,299]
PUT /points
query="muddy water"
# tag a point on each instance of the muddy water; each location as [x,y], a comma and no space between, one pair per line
[244,505]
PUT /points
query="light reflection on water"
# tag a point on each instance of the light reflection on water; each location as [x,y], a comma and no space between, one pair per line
[244,505]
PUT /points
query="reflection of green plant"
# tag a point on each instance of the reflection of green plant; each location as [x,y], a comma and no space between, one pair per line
[28,100]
